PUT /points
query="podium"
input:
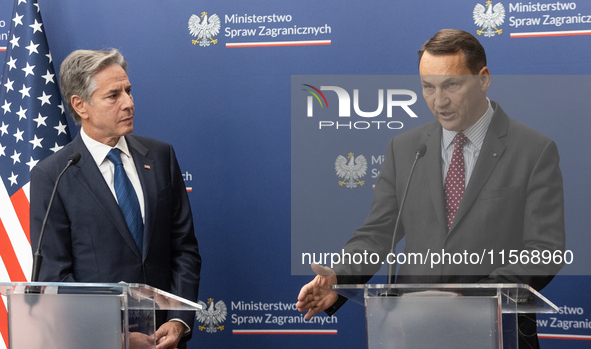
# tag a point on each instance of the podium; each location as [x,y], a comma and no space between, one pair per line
[85,315]
[445,316]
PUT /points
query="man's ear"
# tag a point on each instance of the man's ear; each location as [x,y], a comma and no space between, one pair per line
[79,106]
[484,76]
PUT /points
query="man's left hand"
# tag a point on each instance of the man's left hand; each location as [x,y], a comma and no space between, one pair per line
[169,335]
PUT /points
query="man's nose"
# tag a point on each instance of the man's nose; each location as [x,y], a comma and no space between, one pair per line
[441,98]
[128,101]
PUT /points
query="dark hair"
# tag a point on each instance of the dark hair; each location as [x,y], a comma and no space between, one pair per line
[450,41]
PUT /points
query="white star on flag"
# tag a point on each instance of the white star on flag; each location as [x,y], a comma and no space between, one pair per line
[12,179]
[21,113]
[18,135]
[48,77]
[32,163]
[16,157]
[60,128]
[40,120]
[25,91]
[8,85]
[32,48]
[36,142]
[17,19]
[6,107]
[28,70]
[44,99]
[11,63]
[36,27]
[4,129]
[56,148]
[14,41]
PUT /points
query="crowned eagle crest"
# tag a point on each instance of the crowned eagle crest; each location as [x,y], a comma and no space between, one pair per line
[351,170]
[203,29]
[489,18]
[211,316]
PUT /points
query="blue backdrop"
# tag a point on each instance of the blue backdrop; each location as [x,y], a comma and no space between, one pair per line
[227,109]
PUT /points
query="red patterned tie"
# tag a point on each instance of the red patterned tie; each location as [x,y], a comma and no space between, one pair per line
[455,182]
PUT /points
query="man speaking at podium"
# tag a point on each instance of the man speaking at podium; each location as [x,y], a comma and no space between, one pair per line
[486,182]
[122,212]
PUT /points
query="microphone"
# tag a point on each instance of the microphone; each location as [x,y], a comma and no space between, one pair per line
[37,258]
[419,153]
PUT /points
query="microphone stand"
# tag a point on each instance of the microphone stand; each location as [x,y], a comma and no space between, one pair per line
[419,153]
[37,257]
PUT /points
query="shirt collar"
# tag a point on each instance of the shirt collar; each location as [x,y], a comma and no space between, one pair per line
[474,133]
[99,150]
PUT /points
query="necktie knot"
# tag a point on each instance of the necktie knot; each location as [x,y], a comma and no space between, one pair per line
[460,140]
[115,157]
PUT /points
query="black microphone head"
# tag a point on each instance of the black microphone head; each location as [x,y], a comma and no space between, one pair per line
[421,150]
[75,158]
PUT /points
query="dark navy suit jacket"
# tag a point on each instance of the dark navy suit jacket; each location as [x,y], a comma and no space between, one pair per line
[87,239]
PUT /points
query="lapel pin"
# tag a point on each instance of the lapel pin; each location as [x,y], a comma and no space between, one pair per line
[495,155]
[147,167]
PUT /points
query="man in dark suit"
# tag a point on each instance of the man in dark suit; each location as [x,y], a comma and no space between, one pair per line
[122,212]
[486,182]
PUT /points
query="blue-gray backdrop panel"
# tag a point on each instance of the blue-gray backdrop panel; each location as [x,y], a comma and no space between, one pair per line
[227,111]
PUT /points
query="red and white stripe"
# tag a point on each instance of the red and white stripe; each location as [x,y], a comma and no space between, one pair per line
[278,43]
[15,245]
[279,332]
[550,33]
[564,336]
[16,259]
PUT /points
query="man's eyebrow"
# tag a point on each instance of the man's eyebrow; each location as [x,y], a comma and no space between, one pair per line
[452,78]
[118,90]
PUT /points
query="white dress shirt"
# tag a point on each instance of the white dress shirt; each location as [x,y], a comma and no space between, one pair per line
[475,135]
[99,153]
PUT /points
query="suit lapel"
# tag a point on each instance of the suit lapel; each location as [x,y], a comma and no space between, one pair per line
[145,171]
[87,172]
[490,154]
[432,162]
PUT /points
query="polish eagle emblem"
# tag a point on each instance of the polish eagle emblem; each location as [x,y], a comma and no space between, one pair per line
[351,170]
[489,18]
[203,29]
[211,316]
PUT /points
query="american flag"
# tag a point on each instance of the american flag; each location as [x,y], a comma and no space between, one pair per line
[32,126]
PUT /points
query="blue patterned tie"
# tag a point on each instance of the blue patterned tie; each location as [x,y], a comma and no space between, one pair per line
[127,198]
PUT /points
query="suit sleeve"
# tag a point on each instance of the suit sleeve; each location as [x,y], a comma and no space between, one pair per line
[543,223]
[186,261]
[56,245]
[376,233]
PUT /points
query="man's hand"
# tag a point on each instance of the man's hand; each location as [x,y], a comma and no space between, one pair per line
[169,335]
[317,296]
[139,340]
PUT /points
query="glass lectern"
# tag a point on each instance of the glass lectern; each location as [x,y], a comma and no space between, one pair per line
[79,315]
[445,316]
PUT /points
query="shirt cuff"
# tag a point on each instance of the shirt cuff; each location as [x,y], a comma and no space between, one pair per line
[187,328]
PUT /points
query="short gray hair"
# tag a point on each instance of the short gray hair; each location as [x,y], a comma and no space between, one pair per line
[77,74]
